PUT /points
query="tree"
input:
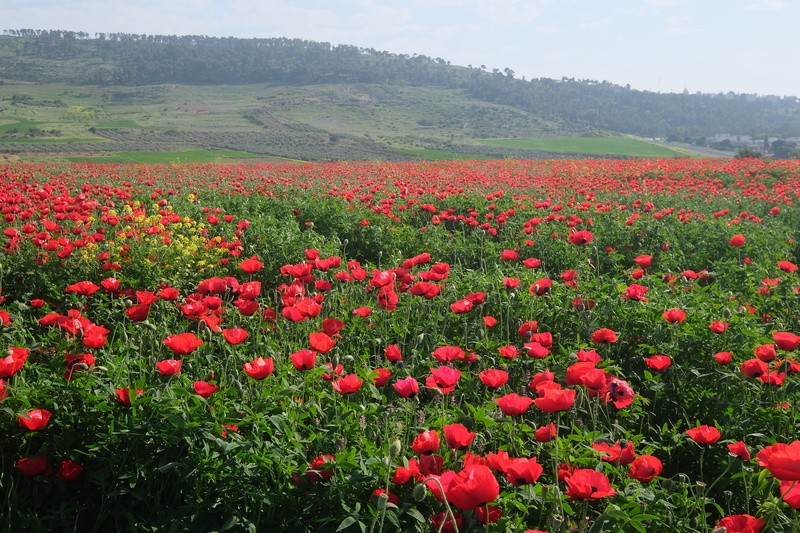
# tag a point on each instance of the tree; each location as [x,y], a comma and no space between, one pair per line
[748,152]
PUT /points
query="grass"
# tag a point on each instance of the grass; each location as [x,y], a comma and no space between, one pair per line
[184,156]
[610,145]
[437,155]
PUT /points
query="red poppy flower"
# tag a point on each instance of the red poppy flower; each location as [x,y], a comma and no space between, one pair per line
[493,378]
[790,493]
[513,404]
[553,400]
[739,449]
[259,368]
[32,466]
[704,434]
[35,419]
[754,368]
[523,471]
[69,470]
[637,292]
[511,283]
[489,321]
[737,240]
[581,237]
[723,358]
[13,361]
[643,261]
[461,307]
[426,442]
[169,367]
[393,353]
[659,363]
[644,468]
[787,266]
[619,392]
[445,354]
[786,340]
[443,522]
[741,523]
[674,315]
[443,379]
[406,387]
[766,352]
[234,335]
[182,343]
[320,468]
[457,436]
[473,487]
[588,484]
[363,312]
[3,390]
[532,262]
[616,453]
[782,460]
[718,326]
[604,336]
[347,384]
[381,376]
[541,286]
[84,288]
[545,433]
[124,395]
[509,255]
[304,359]
[494,514]
[252,265]
[320,342]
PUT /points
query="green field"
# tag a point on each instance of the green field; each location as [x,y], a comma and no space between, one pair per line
[609,145]
[314,122]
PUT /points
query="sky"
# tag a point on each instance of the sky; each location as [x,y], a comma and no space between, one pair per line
[710,46]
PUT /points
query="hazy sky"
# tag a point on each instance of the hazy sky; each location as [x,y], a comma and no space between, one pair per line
[701,45]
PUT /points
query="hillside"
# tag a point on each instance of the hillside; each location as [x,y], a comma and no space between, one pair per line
[69,92]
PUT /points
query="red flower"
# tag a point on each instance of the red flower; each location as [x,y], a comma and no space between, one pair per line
[169,367]
[637,292]
[406,387]
[674,315]
[540,287]
[513,404]
[69,470]
[766,352]
[13,361]
[782,460]
[393,353]
[737,240]
[552,400]
[252,265]
[644,468]
[619,392]
[581,237]
[124,395]
[704,434]
[523,471]
[659,363]
[182,343]
[85,288]
[723,358]
[741,523]
[604,336]
[138,312]
[643,261]
[204,388]
[443,522]
[32,466]
[718,326]
[615,453]
[445,354]
[347,384]
[321,468]
[259,368]
[35,419]
[787,266]
[508,255]
[786,340]
[493,378]
[234,335]
[473,487]
[380,376]
[511,283]
[443,378]
[790,493]
[494,514]
[489,321]
[320,342]
[739,449]
[304,359]
[426,442]
[3,390]
[457,436]
[588,484]
[754,368]
[461,307]
[545,433]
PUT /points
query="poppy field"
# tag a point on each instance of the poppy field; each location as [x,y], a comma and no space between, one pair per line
[580,346]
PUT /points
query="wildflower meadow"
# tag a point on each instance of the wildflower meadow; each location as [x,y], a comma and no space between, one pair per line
[552,346]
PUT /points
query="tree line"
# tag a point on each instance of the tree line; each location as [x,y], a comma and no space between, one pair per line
[133,59]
